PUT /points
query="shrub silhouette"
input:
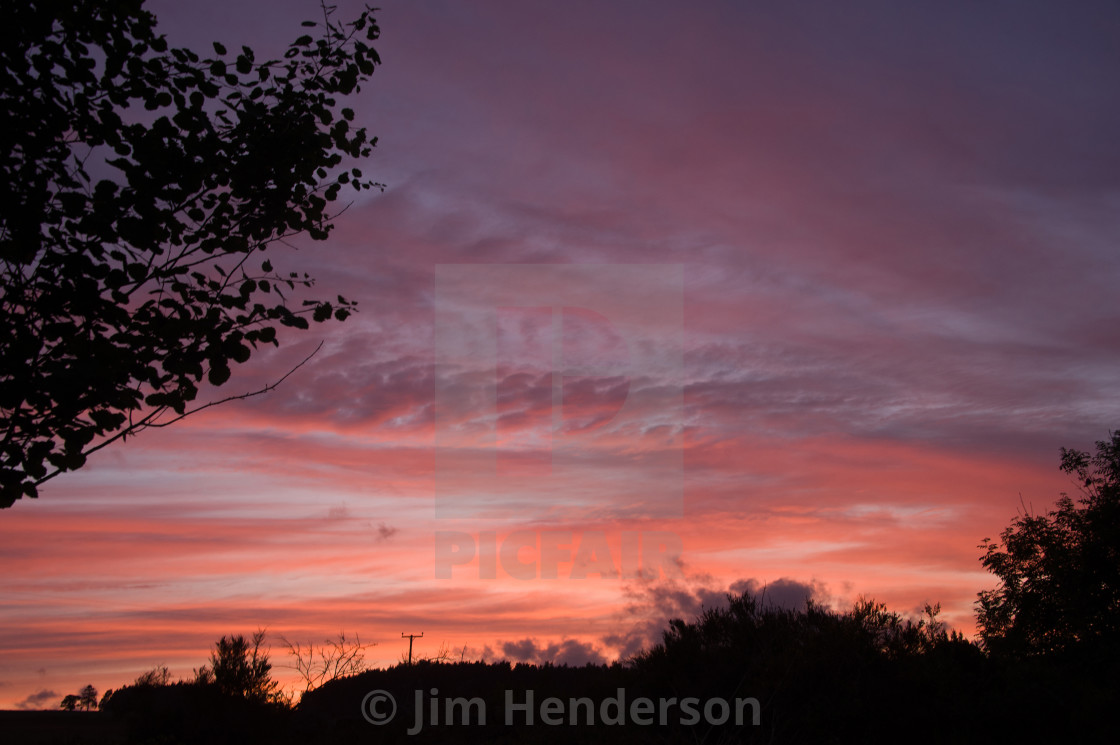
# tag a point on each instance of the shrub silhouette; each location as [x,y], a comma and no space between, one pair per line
[240,667]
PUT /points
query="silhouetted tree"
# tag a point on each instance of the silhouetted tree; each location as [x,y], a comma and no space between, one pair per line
[87,698]
[331,660]
[138,184]
[240,667]
[1059,573]
[70,702]
[105,698]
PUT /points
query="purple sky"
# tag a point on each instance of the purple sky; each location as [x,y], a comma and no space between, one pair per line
[857,288]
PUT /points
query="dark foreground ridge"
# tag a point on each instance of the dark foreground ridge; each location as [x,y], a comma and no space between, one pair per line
[812,676]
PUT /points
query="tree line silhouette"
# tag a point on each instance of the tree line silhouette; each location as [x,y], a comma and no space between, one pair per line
[1042,669]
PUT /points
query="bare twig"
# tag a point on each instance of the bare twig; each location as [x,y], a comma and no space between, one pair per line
[331,660]
[150,421]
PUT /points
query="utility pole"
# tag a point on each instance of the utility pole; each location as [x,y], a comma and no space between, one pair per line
[410,638]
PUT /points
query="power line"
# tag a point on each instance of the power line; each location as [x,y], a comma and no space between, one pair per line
[410,638]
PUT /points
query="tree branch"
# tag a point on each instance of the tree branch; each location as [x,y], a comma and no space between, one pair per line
[148,421]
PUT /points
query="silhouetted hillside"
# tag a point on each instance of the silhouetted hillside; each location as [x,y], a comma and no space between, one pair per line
[194,713]
[817,676]
[55,727]
[742,673]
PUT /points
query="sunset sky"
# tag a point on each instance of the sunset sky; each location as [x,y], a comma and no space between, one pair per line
[817,290]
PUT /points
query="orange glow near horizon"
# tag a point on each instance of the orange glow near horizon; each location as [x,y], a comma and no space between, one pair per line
[810,296]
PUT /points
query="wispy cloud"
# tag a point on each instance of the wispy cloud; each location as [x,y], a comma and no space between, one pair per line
[895,228]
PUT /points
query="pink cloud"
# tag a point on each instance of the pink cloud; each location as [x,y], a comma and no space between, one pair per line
[899,275]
